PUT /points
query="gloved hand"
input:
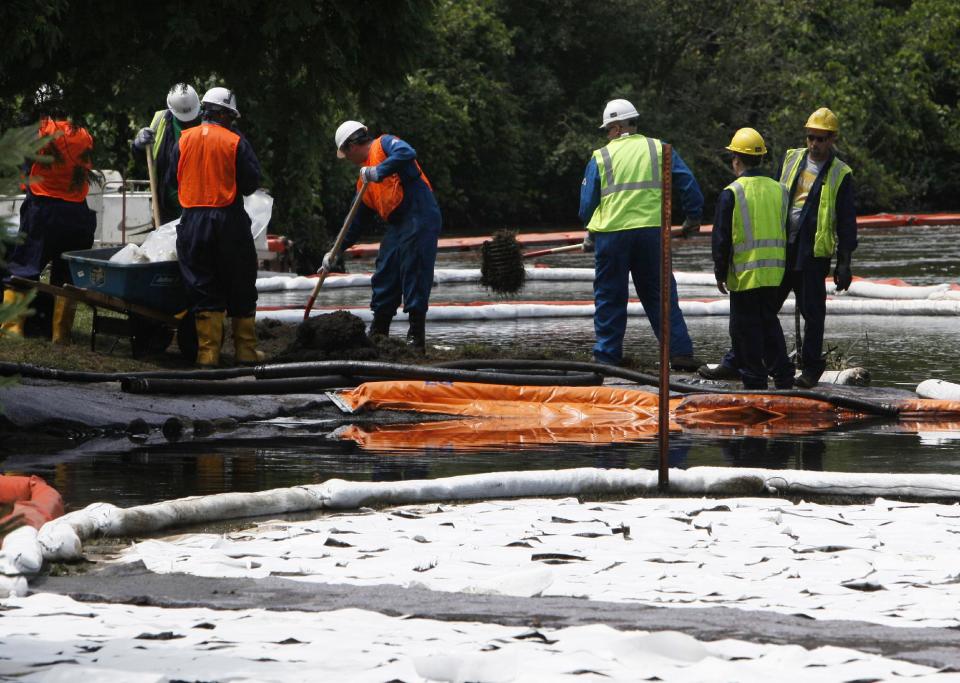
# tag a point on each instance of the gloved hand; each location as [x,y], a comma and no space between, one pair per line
[842,276]
[145,137]
[329,260]
[691,226]
[588,243]
[369,174]
[721,279]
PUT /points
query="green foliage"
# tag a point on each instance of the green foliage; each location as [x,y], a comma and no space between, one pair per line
[501,98]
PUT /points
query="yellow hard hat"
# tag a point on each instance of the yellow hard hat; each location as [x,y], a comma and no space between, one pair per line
[747,141]
[823,119]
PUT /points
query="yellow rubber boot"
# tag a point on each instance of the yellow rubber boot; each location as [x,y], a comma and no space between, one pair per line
[245,341]
[209,337]
[14,326]
[64,310]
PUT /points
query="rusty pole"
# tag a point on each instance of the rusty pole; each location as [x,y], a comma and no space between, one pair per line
[666,274]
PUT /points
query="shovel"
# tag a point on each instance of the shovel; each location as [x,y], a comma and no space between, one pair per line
[323,272]
[152,175]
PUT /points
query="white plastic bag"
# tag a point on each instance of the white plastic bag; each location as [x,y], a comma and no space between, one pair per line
[161,244]
[130,254]
[259,207]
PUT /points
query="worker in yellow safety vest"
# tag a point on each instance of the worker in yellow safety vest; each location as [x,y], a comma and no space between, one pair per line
[822,220]
[749,255]
[620,202]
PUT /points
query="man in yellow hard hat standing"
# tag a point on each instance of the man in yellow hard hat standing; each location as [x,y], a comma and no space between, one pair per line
[749,256]
[822,221]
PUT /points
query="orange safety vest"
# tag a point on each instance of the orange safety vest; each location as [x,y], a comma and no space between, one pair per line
[207,172]
[66,176]
[385,196]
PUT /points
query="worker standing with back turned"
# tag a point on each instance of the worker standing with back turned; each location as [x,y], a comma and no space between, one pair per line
[621,203]
[54,217]
[163,135]
[823,220]
[749,255]
[216,168]
[400,193]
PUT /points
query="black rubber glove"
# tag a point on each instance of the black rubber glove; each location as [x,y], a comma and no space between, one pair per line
[588,245]
[691,226]
[842,276]
[721,279]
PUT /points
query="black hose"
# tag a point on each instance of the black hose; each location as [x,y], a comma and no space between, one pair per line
[190,387]
[851,403]
[38,372]
[422,372]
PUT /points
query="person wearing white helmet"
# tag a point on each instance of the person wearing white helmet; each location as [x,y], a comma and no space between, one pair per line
[620,204]
[400,193]
[216,168]
[749,255]
[822,221]
[163,135]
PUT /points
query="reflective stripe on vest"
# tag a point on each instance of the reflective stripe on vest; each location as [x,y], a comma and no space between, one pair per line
[385,196]
[66,176]
[207,173]
[630,184]
[825,238]
[760,209]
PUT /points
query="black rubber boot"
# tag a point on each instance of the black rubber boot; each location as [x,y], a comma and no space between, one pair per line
[380,327]
[417,334]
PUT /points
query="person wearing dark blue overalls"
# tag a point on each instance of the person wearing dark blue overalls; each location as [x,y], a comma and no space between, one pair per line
[823,220]
[216,168]
[621,204]
[400,194]
[54,217]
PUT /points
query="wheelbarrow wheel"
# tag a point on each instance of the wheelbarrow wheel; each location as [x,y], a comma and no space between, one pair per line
[187,338]
[149,337]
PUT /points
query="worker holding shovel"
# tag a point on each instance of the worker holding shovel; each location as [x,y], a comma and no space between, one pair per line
[620,201]
[216,168]
[398,191]
[160,139]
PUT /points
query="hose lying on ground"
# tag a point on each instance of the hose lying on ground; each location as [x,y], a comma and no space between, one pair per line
[38,372]
[851,403]
[295,378]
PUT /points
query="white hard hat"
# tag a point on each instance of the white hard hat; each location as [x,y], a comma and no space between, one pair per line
[344,131]
[618,110]
[184,102]
[222,97]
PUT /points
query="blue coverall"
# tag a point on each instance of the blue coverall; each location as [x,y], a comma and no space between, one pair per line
[218,259]
[408,250]
[806,274]
[634,252]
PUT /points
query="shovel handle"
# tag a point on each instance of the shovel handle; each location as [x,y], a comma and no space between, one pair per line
[554,250]
[337,244]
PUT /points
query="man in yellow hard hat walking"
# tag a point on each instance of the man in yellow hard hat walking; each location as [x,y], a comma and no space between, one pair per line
[822,221]
[749,256]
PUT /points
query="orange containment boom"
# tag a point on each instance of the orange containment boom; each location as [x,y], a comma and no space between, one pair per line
[32,498]
[498,415]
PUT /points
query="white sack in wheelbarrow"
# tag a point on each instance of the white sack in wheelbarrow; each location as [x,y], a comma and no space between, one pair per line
[161,244]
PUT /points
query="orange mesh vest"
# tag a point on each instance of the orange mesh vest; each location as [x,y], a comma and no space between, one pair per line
[385,196]
[65,177]
[207,172]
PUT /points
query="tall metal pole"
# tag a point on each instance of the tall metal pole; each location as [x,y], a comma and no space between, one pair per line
[666,275]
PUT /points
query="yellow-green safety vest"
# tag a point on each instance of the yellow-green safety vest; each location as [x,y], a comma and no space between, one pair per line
[631,188]
[825,238]
[759,244]
[159,125]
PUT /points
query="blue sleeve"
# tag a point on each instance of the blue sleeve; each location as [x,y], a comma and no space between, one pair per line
[248,168]
[175,164]
[398,153]
[589,191]
[690,195]
[722,235]
[846,216]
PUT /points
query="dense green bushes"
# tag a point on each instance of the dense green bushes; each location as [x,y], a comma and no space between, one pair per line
[502,98]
